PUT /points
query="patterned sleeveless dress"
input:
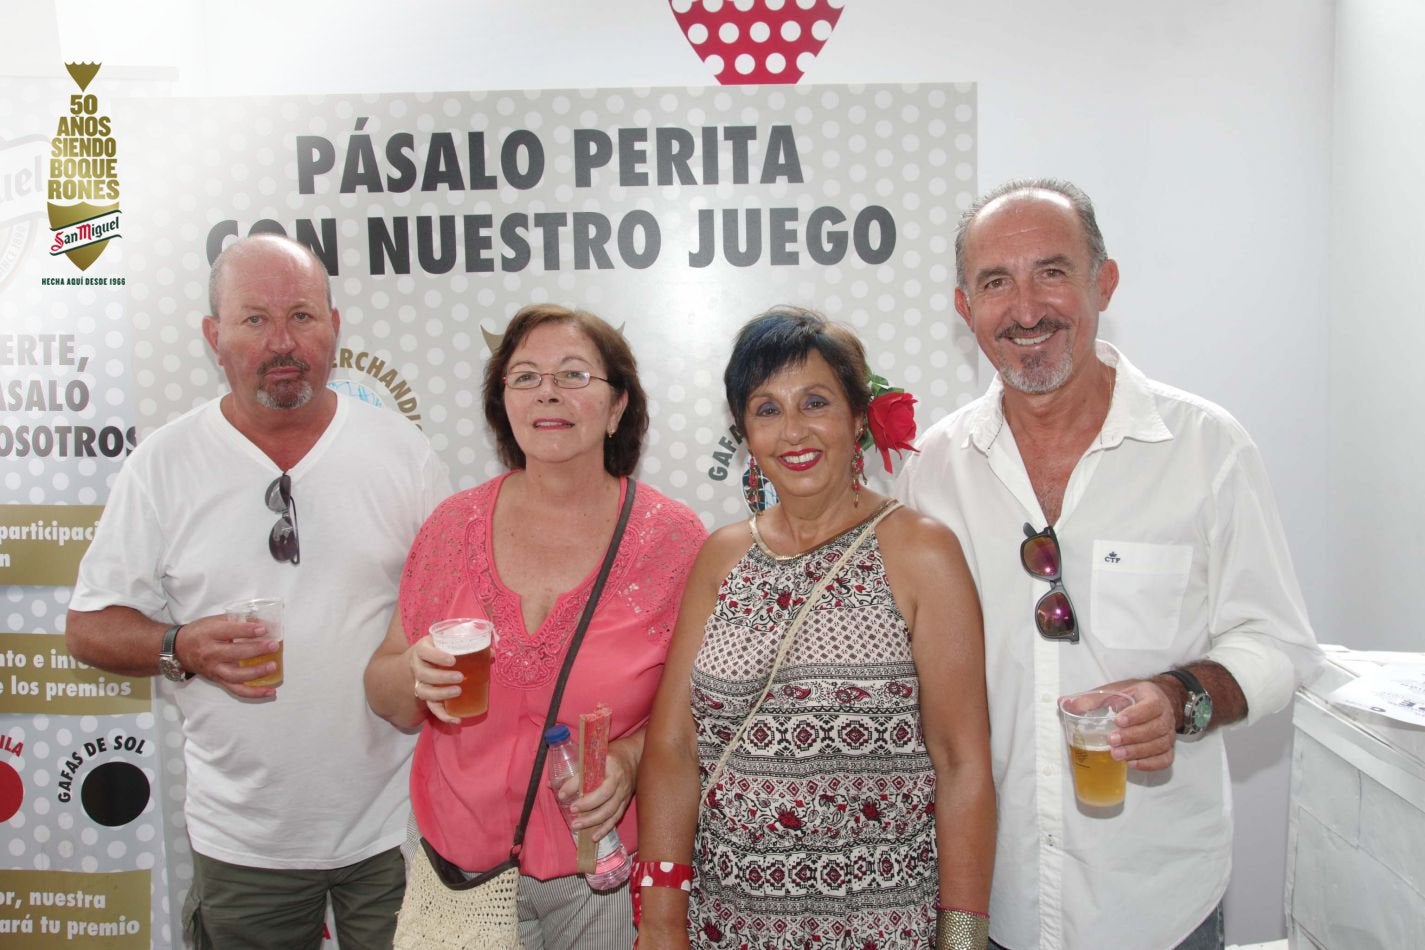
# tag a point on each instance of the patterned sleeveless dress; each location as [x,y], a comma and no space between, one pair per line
[821,830]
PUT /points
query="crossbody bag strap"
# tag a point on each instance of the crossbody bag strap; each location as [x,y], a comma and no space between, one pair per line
[574,642]
[795,626]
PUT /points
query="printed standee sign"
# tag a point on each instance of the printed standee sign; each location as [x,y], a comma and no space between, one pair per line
[676,214]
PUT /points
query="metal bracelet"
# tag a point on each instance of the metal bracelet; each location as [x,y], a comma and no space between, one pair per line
[961,930]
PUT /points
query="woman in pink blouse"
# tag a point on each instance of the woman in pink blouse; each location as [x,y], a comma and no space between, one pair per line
[562,396]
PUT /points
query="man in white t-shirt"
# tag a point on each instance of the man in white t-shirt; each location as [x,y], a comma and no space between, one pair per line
[279,489]
[1123,533]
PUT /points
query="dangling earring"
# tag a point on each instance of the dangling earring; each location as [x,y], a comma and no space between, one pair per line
[858,475]
[753,488]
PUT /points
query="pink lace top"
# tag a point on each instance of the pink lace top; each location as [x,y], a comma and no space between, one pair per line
[468,782]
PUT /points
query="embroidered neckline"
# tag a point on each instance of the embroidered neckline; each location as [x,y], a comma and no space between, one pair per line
[785,558]
[528,658]
[565,602]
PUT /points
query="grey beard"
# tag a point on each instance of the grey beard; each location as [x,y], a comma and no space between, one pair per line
[296,401]
[1036,380]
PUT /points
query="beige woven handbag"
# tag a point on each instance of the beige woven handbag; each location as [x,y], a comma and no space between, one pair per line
[435,917]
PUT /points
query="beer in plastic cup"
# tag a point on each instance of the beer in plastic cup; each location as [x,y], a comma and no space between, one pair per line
[268,612]
[1100,780]
[469,640]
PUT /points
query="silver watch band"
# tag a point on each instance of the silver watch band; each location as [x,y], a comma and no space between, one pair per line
[1196,696]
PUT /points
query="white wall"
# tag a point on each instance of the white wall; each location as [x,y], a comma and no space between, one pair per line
[1375,325]
[1201,130]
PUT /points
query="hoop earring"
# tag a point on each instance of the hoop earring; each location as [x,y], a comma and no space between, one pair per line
[753,486]
[858,475]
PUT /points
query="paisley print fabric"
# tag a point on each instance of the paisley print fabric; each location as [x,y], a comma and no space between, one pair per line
[821,829]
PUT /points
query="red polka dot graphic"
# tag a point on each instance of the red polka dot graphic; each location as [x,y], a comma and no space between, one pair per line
[757,41]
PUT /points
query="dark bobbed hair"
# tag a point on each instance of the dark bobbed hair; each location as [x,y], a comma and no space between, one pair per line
[785,336]
[623,448]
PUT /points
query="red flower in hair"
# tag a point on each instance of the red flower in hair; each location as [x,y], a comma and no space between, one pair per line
[890,420]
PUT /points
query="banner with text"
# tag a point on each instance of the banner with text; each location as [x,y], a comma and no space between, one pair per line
[676,214]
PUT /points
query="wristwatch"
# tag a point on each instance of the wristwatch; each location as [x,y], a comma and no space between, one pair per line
[168,663]
[1197,711]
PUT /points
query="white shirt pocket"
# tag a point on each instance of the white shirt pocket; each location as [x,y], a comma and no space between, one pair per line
[1137,596]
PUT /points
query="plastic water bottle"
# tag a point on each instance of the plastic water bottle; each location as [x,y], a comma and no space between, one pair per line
[611,864]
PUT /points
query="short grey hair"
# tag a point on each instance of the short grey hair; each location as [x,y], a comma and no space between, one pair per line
[1079,201]
[236,248]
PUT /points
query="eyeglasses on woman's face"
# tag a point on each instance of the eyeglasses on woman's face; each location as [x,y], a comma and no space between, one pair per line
[564,379]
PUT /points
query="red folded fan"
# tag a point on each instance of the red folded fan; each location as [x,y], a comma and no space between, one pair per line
[593,755]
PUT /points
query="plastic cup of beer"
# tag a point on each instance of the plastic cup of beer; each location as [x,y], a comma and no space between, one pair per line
[268,612]
[468,640]
[1100,780]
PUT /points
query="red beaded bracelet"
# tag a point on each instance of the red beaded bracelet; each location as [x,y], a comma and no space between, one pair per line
[656,874]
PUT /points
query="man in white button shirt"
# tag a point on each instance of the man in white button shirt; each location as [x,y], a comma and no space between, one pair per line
[1121,532]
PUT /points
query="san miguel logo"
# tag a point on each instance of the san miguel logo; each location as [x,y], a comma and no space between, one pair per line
[83,176]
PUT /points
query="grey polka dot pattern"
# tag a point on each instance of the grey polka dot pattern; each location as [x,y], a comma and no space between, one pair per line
[818,169]
[594,198]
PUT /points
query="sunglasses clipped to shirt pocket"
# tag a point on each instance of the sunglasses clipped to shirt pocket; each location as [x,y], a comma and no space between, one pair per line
[1137,593]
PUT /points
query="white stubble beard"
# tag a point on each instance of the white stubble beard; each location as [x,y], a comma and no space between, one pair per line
[1037,376]
[302,396]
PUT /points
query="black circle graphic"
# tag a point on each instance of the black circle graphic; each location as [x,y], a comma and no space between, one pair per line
[115,793]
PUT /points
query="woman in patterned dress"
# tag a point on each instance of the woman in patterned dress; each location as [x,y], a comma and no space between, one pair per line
[858,799]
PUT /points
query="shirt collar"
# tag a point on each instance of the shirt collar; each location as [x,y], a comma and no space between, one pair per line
[1132,410]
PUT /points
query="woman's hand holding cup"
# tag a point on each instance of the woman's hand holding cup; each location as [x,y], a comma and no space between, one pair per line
[451,668]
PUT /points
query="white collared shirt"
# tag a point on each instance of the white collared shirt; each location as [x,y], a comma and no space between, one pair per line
[1173,552]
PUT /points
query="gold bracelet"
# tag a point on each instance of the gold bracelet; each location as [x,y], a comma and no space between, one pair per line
[961,930]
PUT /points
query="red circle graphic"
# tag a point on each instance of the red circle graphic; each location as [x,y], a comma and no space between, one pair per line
[12,792]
